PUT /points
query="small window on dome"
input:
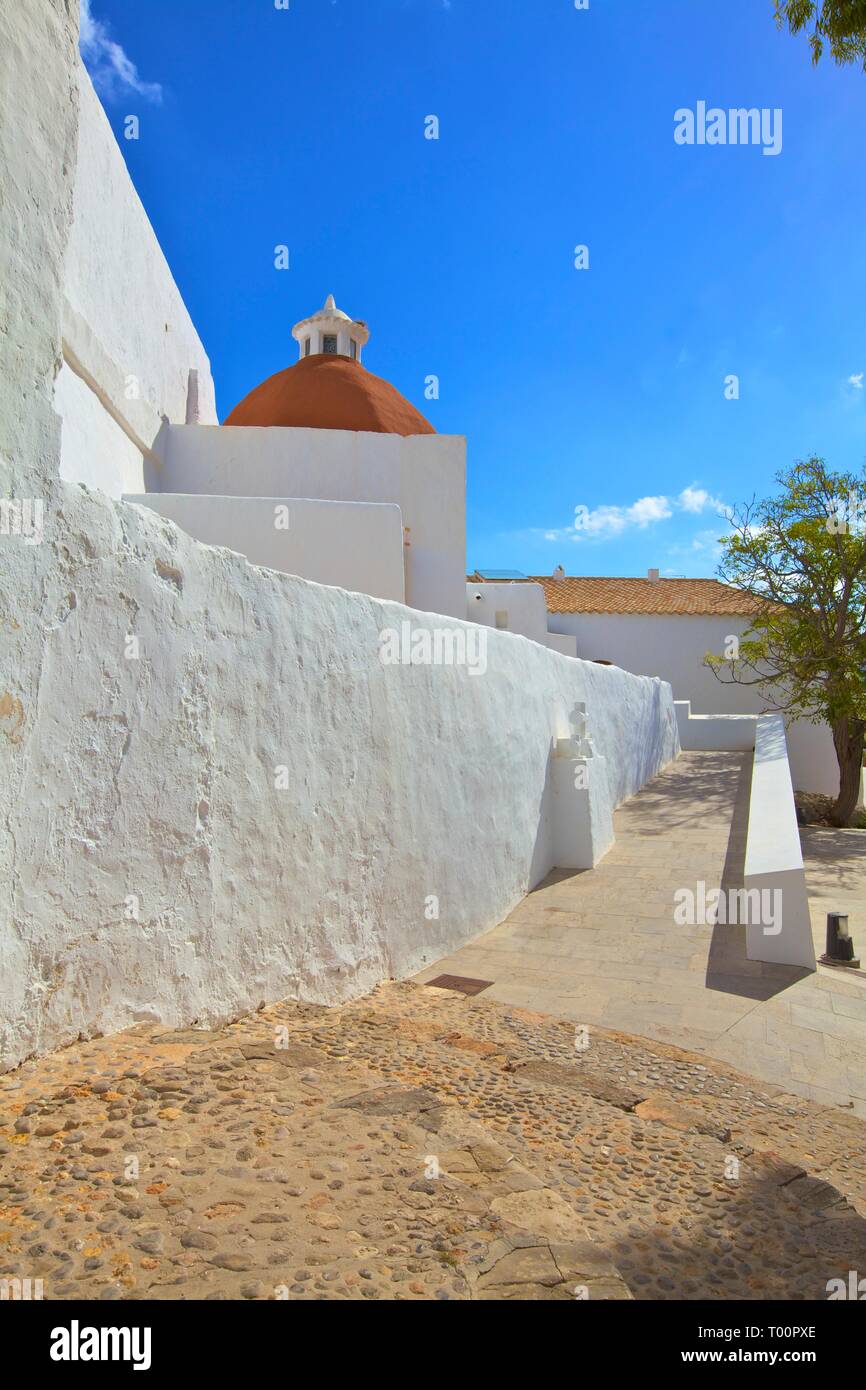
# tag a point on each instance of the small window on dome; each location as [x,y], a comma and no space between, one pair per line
[353,349]
[329,343]
[307,346]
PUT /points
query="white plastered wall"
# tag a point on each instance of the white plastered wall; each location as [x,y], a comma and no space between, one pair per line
[425,475]
[354,545]
[245,803]
[128,341]
[524,610]
[155,780]
[95,450]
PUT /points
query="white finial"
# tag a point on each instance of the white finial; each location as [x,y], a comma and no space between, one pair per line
[330,303]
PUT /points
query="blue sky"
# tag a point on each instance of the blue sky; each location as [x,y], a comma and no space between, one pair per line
[601,388]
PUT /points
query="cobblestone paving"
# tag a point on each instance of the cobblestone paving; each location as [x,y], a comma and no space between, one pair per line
[294,1154]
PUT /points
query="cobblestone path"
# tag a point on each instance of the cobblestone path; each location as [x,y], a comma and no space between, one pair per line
[418,1144]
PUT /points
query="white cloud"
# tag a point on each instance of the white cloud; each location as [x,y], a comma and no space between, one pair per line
[648,509]
[113,73]
[602,523]
[696,499]
[606,522]
[856,380]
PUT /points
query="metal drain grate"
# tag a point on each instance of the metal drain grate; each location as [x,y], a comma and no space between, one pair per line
[459,983]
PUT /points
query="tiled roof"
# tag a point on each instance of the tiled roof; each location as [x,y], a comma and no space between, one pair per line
[587,594]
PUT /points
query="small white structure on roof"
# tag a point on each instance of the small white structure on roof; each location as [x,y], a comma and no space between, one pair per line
[332,333]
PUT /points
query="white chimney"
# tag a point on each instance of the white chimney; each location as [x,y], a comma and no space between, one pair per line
[559,572]
[652,576]
[193,411]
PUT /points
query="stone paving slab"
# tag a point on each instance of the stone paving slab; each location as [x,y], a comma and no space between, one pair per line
[602,947]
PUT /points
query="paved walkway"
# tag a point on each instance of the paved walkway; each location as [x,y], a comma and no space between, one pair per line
[417,1144]
[602,948]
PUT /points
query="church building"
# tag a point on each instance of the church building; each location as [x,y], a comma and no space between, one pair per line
[325,471]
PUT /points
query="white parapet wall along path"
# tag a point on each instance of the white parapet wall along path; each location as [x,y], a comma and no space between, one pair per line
[773,875]
[736,733]
[732,733]
[244,802]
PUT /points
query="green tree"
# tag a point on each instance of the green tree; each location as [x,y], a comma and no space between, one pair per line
[839,24]
[802,556]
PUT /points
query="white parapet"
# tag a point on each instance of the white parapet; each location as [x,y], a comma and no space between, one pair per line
[730,733]
[782,933]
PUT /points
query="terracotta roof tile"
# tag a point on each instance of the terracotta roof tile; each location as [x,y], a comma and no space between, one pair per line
[586,594]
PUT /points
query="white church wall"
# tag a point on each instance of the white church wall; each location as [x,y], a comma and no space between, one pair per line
[424,474]
[354,545]
[94,448]
[243,802]
[651,644]
[812,758]
[523,606]
[673,647]
[519,608]
[126,330]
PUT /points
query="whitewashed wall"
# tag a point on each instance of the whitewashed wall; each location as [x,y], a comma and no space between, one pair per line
[355,545]
[673,647]
[94,449]
[149,866]
[151,781]
[127,336]
[424,474]
[525,610]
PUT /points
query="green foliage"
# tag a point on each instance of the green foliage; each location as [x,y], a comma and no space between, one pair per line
[802,556]
[839,24]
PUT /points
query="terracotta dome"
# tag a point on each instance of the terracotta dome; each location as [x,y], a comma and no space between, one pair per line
[327,392]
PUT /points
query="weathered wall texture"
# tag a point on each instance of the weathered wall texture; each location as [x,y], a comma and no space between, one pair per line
[126,330]
[154,780]
[149,866]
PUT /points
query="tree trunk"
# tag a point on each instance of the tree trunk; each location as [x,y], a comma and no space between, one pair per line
[848,738]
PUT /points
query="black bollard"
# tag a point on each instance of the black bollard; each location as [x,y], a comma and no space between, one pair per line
[840,947]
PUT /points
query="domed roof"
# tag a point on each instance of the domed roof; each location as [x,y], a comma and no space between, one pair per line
[327,392]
